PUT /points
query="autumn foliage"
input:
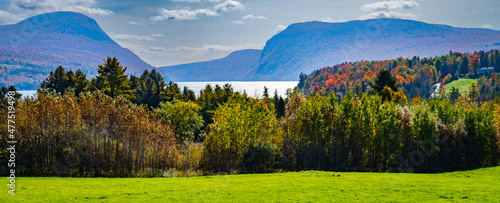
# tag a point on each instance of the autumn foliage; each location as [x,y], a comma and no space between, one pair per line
[90,135]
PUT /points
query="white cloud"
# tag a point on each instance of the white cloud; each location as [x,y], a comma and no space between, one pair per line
[157,35]
[389,5]
[190,14]
[196,1]
[21,9]
[157,48]
[249,17]
[390,14]
[7,18]
[183,14]
[279,28]
[487,26]
[229,5]
[330,20]
[253,17]
[127,37]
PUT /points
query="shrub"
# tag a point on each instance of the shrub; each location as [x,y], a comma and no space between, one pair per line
[261,157]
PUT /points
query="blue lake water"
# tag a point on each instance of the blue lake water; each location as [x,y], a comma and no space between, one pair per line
[253,88]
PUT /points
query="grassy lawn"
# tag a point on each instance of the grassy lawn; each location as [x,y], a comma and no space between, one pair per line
[481,185]
[462,85]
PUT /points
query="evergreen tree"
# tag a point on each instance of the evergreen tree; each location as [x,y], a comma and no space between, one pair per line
[384,78]
[464,66]
[114,81]
[172,92]
[57,80]
[60,80]
[266,93]
[454,94]
[149,86]
[188,94]
[81,82]
[279,105]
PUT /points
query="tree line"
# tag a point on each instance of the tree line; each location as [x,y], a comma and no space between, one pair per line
[415,76]
[113,124]
[119,125]
[377,131]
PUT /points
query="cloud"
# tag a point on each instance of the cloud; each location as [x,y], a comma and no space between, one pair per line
[249,17]
[157,48]
[390,14]
[389,9]
[190,14]
[253,17]
[279,28]
[183,14]
[487,26]
[196,1]
[7,18]
[238,22]
[127,37]
[157,35]
[389,5]
[330,20]
[229,5]
[21,9]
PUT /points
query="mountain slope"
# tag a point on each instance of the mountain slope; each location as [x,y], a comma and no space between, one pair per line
[37,45]
[304,47]
[236,66]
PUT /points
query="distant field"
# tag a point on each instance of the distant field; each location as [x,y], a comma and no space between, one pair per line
[462,85]
[481,185]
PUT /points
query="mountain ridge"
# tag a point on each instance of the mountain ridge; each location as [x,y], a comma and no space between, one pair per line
[307,46]
[37,45]
[233,67]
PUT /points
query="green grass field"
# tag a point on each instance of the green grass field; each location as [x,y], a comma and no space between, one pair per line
[462,85]
[481,185]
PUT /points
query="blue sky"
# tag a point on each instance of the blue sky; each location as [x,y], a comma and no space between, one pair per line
[182,31]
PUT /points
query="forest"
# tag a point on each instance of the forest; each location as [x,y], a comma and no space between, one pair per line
[415,76]
[118,125]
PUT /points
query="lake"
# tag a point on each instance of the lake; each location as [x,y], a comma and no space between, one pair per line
[253,88]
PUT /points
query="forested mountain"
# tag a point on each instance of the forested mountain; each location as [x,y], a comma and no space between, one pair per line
[307,46]
[416,75]
[235,66]
[304,47]
[30,49]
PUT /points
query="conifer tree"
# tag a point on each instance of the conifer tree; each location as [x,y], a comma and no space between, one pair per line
[115,82]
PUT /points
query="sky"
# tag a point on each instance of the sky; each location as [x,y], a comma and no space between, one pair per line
[175,32]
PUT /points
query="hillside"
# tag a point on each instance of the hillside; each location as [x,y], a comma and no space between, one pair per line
[236,66]
[415,75]
[304,47]
[37,45]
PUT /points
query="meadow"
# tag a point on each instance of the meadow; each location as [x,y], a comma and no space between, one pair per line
[479,185]
[462,85]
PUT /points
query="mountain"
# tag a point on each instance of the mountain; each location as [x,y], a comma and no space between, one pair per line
[35,46]
[304,47]
[235,66]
